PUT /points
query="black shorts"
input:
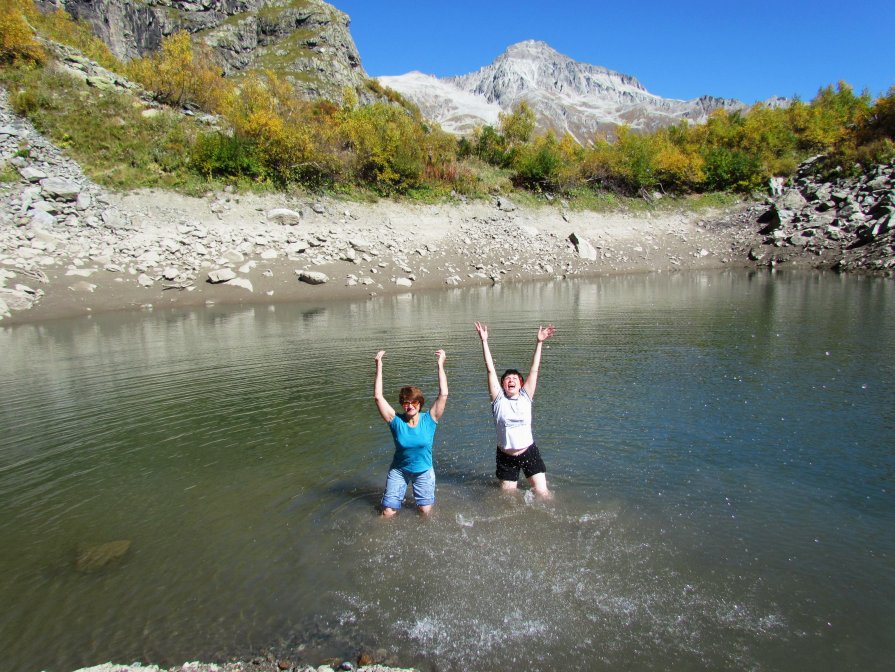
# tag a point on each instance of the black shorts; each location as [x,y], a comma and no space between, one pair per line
[529,462]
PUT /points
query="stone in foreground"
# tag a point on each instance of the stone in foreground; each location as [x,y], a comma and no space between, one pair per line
[312,277]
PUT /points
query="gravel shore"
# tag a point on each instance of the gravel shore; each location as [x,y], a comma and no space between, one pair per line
[252,666]
[345,250]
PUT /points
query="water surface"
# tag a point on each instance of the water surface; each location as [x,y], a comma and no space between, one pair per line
[719,444]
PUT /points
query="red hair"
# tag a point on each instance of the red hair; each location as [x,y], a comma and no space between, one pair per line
[411,394]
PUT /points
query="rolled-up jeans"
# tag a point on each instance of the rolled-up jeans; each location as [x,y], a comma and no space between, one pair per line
[396,487]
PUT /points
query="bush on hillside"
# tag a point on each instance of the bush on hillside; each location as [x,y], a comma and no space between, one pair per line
[386,148]
[17,41]
[218,155]
[59,26]
[181,73]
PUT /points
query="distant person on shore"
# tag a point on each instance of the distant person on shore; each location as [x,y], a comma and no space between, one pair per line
[413,432]
[511,404]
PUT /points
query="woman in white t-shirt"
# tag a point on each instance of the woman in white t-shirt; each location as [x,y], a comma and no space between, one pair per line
[511,404]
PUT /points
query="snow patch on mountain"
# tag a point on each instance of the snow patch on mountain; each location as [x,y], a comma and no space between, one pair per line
[440,100]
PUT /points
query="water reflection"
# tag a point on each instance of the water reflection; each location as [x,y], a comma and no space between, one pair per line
[718,443]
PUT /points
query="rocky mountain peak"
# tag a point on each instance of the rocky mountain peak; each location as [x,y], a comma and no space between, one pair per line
[530,50]
[533,65]
[566,95]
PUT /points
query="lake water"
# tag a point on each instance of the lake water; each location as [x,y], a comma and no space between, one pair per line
[720,446]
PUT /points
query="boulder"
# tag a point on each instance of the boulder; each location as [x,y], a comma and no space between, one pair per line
[360,244]
[244,283]
[41,218]
[775,218]
[792,200]
[32,174]
[312,277]
[284,216]
[297,247]
[15,300]
[232,257]
[221,275]
[60,188]
[583,247]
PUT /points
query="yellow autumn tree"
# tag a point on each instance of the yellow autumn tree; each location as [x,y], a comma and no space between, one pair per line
[180,73]
[517,127]
[59,26]
[831,114]
[17,41]
[266,111]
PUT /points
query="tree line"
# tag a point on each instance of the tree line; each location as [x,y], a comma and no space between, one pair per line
[268,134]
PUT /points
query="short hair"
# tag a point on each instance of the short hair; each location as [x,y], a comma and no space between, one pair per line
[513,372]
[411,394]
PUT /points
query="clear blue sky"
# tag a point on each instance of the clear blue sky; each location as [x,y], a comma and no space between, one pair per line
[750,50]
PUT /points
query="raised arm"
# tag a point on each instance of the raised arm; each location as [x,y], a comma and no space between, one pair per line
[493,383]
[385,409]
[531,383]
[441,400]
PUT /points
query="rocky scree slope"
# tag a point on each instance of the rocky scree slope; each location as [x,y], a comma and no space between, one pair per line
[846,224]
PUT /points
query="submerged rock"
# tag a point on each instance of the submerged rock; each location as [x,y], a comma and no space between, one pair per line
[95,558]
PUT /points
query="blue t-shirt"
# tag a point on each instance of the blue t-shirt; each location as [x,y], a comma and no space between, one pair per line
[413,445]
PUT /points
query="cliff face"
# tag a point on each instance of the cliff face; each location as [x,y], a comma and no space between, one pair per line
[306,40]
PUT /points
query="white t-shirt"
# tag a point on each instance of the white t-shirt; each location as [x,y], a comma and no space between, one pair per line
[512,418]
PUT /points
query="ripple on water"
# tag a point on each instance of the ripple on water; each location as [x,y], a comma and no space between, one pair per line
[723,486]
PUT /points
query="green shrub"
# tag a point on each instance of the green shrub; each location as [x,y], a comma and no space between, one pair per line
[537,165]
[220,155]
[491,147]
[8,173]
[732,169]
[386,146]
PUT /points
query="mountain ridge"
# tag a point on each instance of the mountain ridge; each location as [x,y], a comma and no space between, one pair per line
[566,95]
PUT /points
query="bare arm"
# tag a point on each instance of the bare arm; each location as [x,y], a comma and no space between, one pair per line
[385,409]
[441,400]
[531,383]
[493,383]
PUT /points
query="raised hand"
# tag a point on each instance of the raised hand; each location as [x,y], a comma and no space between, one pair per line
[545,332]
[483,331]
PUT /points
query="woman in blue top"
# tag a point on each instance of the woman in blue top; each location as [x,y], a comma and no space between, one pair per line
[413,432]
